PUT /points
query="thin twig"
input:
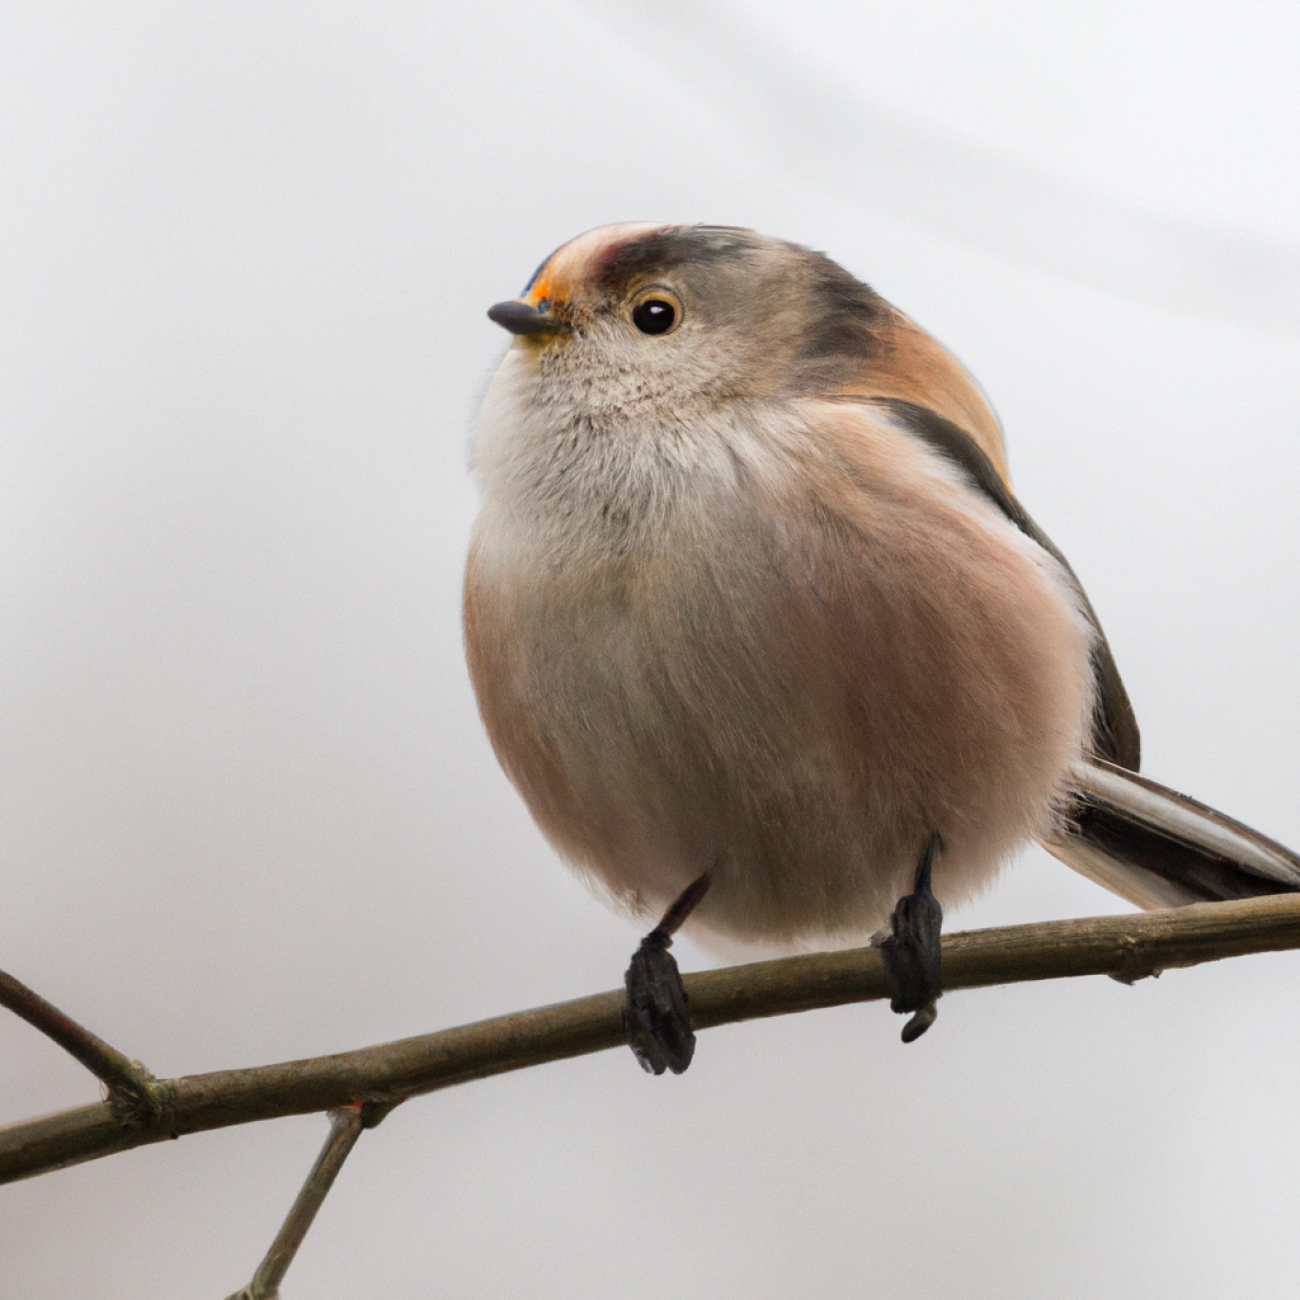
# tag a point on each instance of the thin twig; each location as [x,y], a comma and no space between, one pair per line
[1126,946]
[133,1092]
[345,1128]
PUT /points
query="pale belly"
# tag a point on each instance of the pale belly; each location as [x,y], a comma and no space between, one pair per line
[792,694]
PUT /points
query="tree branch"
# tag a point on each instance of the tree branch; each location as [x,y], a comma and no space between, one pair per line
[345,1128]
[132,1090]
[1126,947]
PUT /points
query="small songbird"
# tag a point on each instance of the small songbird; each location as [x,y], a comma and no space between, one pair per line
[765,640]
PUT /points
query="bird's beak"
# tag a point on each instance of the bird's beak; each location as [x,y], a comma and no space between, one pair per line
[521,317]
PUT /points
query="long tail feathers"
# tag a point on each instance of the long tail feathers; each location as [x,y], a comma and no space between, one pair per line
[1158,848]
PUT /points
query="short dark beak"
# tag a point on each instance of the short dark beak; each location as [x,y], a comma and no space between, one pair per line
[519,318]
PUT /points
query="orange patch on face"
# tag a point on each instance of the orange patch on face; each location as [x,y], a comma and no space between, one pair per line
[539,289]
[567,269]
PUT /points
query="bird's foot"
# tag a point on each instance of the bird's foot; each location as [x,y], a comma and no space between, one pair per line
[656,1015]
[911,950]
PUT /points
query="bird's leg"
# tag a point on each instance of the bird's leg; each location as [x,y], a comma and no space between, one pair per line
[911,951]
[656,1017]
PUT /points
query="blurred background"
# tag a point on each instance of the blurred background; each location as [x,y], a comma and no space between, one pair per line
[247,811]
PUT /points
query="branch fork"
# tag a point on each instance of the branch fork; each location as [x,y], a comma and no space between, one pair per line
[360,1088]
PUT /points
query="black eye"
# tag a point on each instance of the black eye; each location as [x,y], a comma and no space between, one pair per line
[654,316]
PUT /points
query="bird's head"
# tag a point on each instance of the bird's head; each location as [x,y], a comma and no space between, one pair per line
[671,320]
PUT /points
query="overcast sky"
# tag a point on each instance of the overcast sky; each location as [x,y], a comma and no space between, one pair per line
[247,810]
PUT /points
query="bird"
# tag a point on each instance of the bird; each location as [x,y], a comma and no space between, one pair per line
[761,633]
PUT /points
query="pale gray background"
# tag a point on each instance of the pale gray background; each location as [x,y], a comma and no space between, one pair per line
[248,811]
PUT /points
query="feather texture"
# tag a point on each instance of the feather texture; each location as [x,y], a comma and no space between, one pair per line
[754,596]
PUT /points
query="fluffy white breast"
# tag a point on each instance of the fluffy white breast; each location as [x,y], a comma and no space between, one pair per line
[784,641]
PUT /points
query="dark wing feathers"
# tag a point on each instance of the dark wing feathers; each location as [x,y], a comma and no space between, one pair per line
[1136,837]
[1115,731]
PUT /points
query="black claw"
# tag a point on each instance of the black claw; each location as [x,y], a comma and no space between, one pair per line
[912,952]
[919,1023]
[657,1015]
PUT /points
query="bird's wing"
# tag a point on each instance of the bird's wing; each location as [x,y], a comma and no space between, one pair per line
[1115,729]
[1137,838]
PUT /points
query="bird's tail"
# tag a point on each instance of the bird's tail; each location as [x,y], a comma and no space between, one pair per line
[1158,848]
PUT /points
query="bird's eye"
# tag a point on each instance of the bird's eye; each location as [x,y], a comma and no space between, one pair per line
[654,315]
